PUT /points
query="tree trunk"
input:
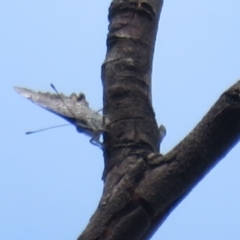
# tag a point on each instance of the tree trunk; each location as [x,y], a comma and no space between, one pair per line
[142,186]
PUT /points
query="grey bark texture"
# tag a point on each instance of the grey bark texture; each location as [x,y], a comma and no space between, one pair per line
[141,186]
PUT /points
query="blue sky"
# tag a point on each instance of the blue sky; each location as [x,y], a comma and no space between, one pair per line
[51,181]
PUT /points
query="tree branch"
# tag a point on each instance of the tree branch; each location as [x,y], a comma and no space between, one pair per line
[126,76]
[141,186]
[175,174]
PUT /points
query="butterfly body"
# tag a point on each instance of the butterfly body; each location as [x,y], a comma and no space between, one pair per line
[74,108]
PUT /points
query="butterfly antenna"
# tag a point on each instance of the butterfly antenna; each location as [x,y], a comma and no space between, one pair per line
[44,129]
[55,89]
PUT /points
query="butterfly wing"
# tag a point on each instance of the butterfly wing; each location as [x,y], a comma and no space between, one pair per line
[69,108]
[75,109]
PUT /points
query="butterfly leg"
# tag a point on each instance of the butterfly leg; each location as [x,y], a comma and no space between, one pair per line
[99,110]
[95,141]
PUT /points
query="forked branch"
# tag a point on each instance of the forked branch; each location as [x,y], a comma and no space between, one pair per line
[141,185]
[142,191]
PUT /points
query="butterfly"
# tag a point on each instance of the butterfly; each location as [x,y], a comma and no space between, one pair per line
[75,109]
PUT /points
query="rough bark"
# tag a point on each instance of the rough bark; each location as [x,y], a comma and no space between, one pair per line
[142,186]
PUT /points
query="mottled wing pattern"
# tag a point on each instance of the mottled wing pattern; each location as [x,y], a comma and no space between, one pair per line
[74,109]
[73,106]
